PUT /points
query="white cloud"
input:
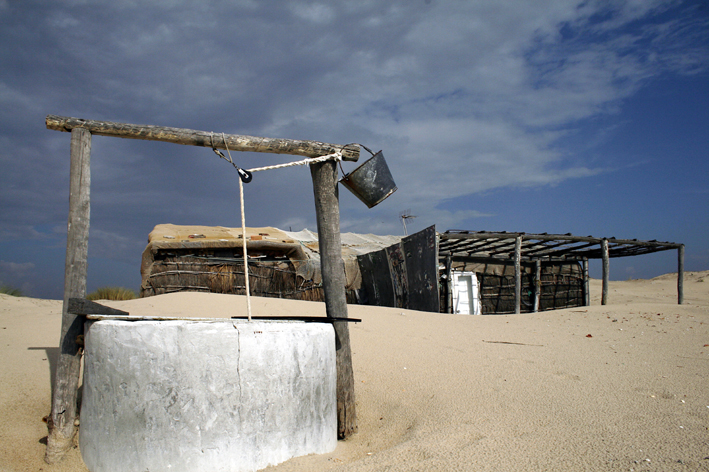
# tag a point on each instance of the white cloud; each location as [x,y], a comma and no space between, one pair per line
[13,270]
[313,12]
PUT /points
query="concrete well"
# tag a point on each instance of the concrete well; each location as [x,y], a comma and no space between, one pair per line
[195,396]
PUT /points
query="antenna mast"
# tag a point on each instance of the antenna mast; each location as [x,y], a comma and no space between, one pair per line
[406,215]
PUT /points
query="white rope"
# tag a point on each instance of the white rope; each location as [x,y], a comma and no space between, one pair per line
[246,257]
[337,156]
[243,237]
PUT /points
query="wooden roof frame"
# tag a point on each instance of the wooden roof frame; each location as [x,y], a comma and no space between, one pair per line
[500,245]
[529,248]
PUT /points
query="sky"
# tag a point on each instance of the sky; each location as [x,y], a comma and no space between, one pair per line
[558,116]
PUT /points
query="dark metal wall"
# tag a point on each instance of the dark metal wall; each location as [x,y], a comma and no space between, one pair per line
[404,275]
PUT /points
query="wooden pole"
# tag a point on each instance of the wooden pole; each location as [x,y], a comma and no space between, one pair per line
[449,283]
[537,284]
[518,274]
[327,211]
[586,285]
[192,137]
[606,269]
[680,274]
[66,383]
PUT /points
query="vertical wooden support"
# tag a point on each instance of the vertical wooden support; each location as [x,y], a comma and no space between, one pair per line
[327,210]
[449,283]
[586,286]
[66,383]
[606,270]
[680,274]
[518,274]
[537,284]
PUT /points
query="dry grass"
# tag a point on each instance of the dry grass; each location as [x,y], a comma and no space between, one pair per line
[112,293]
[7,290]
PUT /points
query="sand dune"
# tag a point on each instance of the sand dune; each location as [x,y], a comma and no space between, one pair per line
[618,387]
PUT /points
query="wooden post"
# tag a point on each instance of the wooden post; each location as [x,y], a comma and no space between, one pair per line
[327,211]
[66,383]
[518,274]
[606,269]
[586,285]
[680,274]
[449,283]
[537,284]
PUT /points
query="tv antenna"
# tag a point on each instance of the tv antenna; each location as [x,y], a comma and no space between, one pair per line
[406,215]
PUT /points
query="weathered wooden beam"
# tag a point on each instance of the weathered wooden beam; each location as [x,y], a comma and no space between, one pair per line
[327,212]
[192,137]
[518,275]
[680,274]
[537,284]
[66,382]
[606,270]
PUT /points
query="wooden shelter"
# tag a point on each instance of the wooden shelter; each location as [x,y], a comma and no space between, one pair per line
[494,272]
[541,271]
[282,264]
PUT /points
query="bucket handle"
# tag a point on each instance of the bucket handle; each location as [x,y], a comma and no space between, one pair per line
[350,144]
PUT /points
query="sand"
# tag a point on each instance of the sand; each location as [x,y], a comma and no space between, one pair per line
[623,386]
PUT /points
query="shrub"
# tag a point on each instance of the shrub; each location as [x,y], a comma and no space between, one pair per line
[112,293]
[7,290]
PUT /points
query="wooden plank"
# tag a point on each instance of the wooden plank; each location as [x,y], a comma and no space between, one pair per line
[327,212]
[82,306]
[64,402]
[606,270]
[421,256]
[190,137]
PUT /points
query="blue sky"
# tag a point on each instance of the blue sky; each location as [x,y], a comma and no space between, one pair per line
[558,116]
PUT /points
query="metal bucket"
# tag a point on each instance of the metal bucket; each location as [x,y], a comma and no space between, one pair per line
[371,182]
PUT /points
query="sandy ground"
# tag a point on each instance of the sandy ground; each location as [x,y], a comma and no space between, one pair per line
[618,387]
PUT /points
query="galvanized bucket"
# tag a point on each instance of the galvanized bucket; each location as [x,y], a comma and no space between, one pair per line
[371,182]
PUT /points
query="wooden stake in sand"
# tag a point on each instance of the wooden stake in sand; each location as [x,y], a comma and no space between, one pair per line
[324,174]
[606,271]
[680,274]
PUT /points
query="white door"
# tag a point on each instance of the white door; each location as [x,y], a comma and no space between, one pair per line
[465,293]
